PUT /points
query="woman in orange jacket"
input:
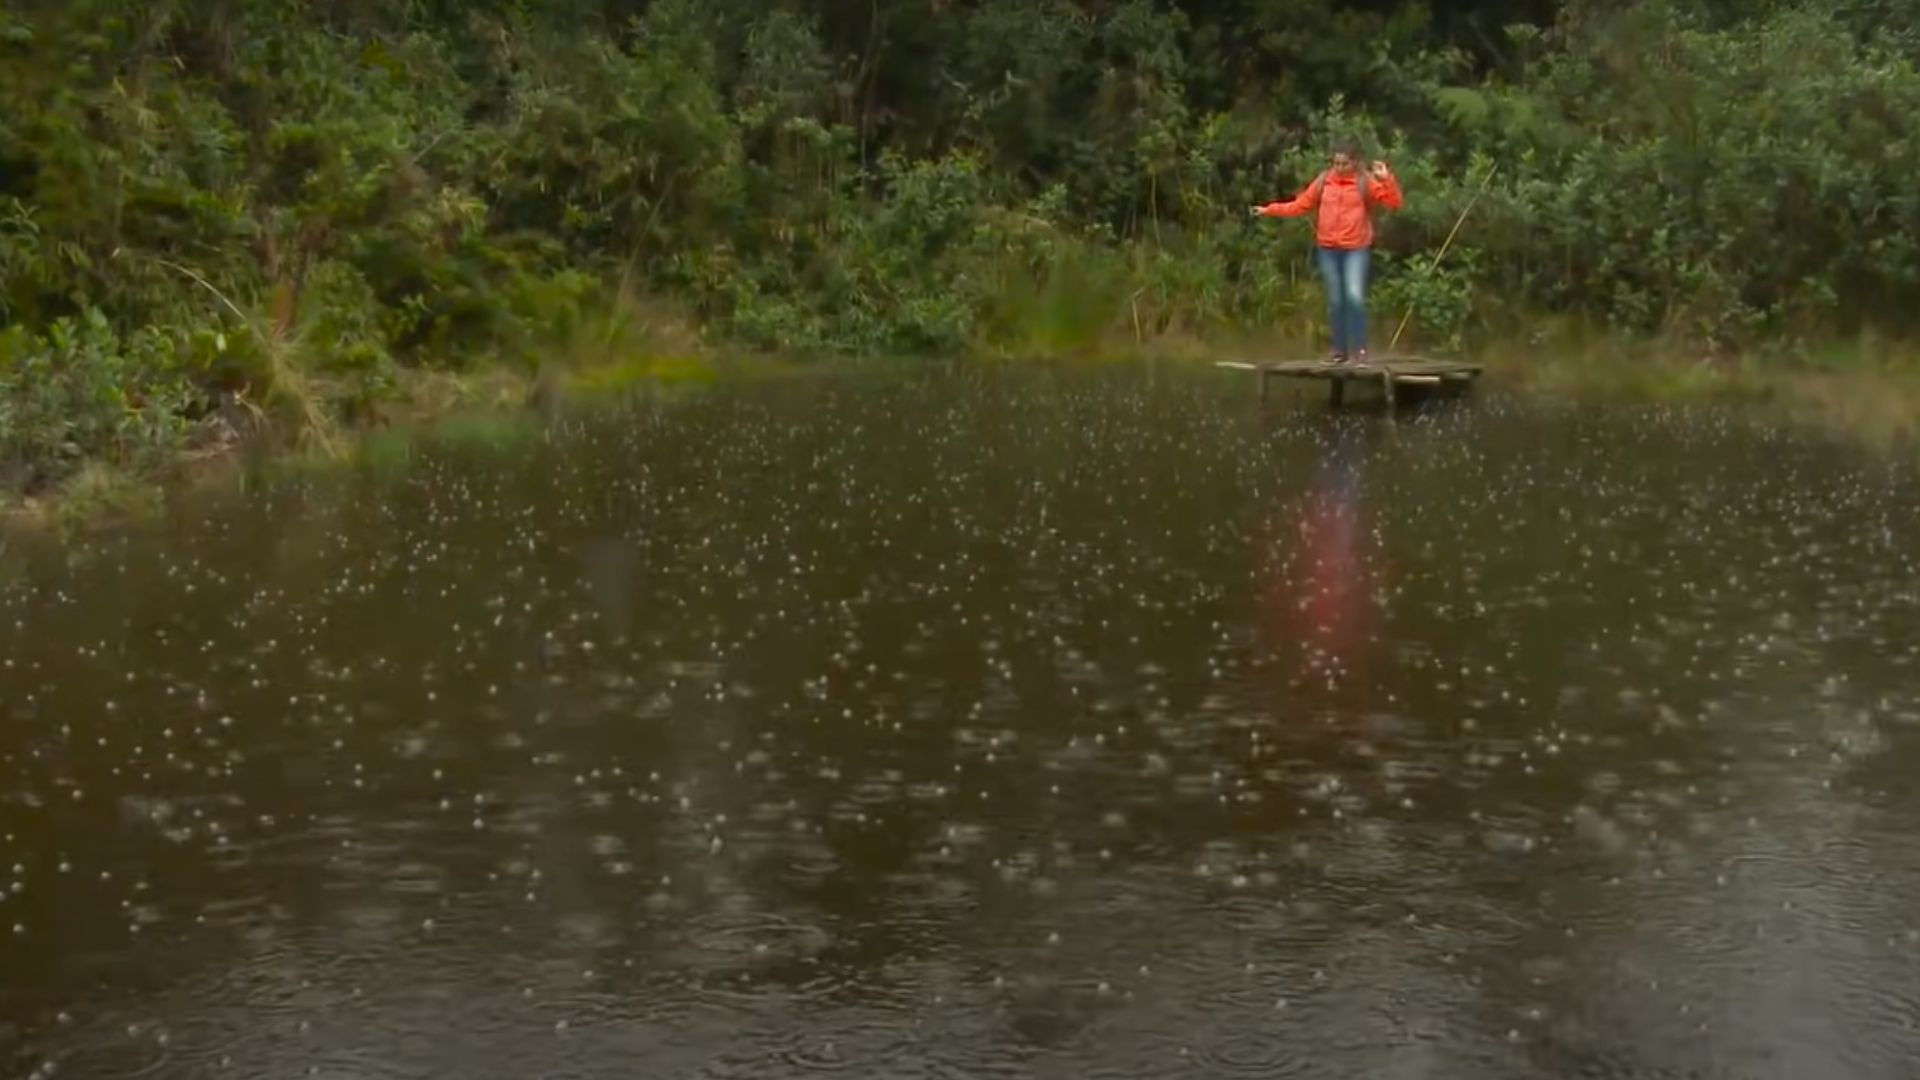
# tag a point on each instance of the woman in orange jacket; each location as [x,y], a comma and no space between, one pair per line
[1343,238]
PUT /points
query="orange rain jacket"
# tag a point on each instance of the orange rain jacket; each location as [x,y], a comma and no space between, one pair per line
[1345,220]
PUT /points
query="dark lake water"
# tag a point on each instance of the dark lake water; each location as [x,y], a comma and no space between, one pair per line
[1044,723]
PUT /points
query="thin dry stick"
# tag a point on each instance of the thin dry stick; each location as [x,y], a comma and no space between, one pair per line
[268,343]
[1444,245]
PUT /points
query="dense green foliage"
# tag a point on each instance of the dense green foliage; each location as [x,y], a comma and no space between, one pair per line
[288,205]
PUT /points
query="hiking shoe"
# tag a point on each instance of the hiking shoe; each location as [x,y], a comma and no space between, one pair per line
[1360,357]
[1337,357]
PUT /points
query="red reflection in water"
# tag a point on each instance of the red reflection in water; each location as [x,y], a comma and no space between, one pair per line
[1320,576]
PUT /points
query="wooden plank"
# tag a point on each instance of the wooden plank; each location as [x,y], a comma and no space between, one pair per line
[1327,369]
[1389,371]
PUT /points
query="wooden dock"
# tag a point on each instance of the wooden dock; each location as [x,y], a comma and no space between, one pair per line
[1392,374]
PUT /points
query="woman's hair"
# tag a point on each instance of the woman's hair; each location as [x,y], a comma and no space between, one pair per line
[1348,146]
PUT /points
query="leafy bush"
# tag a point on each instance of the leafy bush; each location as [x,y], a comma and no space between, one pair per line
[337,193]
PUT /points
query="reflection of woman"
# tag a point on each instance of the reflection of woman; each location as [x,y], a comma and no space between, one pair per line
[1320,596]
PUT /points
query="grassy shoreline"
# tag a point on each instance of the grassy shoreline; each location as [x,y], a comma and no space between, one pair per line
[1873,404]
[1864,392]
[426,406]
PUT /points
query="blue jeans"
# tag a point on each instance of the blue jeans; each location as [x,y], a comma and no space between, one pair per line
[1344,273]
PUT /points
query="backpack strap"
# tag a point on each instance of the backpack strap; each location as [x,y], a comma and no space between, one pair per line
[1360,181]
